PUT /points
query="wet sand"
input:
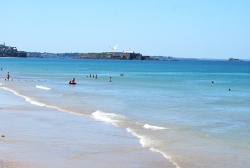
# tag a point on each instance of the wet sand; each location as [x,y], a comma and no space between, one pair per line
[44,137]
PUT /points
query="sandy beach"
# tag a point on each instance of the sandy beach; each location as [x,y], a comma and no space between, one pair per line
[37,136]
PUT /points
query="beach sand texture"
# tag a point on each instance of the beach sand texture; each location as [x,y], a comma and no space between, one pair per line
[44,137]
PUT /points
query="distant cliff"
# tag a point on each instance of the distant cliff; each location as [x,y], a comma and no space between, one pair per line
[126,55]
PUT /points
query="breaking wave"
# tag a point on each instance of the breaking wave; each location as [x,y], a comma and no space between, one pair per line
[144,140]
[42,87]
[147,126]
[108,117]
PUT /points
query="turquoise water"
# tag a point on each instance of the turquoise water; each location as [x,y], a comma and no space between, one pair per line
[172,107]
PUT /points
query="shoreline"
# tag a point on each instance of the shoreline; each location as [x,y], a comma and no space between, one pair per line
[35,135]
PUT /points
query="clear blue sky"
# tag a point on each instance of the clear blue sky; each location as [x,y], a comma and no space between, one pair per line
[178,28]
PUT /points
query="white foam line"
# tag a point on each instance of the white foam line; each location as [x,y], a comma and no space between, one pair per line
[42,87]
[144,140]
[38,103]
[165,155]
[26,98]
[33,101]
[108,117]
[147,126]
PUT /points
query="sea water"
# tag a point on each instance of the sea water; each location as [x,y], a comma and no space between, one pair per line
[171,106]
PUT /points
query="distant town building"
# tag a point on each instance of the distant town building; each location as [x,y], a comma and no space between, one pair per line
[232,59]
[128,51]
[51,55]
[163,57]
[129,55]
[7,51]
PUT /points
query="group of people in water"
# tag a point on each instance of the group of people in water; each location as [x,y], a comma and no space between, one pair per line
[96,77]
[92,76]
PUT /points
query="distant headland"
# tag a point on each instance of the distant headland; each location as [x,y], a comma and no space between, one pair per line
[8,51]
[125,55]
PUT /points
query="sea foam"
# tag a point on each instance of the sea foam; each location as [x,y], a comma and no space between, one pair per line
[165,155]
[108,117]
[42,87]
[144,140]
[147,126]
[26,98]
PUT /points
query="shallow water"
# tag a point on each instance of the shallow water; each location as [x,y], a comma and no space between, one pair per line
[171,106]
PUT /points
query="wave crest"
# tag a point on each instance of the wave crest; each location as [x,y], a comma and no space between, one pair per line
[108,117]
[144,140]
[147,126]
[42,87]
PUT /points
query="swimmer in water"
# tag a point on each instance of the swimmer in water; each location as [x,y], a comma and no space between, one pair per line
[96,76]
[212,81]
[93,76]
[73,80]
[8,75]
[89,75]
[110,79]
